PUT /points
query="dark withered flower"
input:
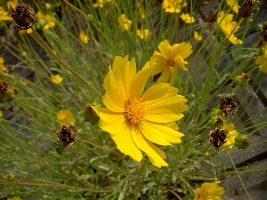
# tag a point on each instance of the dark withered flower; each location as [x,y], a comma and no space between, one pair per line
[228,105]
[217,138]
[67,135]
[7,92]
[212,17]
[23,16]
[246,10]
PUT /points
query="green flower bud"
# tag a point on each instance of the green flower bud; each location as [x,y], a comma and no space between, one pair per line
[259,28]
[242,141]
[10,177]
[90,115]
[40,24]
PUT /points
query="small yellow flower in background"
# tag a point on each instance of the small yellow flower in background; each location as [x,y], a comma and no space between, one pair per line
[142,13]
[100,3]
[2,67]
[124,22]
[143,34]
[83,37]
[233,4]
[13,4]
[56,79]
[66,116]
[28,31]
[136,120]
[1,113]
[197,36]
[172,6]
[187,18]
[14,198]
[4,15]
[230,137]
[209,191]
[262,61]
[49,20]
[169,59]
[229,27]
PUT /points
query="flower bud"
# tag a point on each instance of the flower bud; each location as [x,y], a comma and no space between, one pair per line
[90,115]
[242,141]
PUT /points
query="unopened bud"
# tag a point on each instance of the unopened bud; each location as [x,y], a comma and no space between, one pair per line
[242,141]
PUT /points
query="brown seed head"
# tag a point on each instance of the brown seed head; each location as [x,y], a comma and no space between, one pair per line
[246,10]
[228,106]
[217,138]
[7,92]
[23,16]
[67,135]
[212,17]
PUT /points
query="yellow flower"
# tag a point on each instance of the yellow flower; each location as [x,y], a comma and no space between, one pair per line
[56,79]
[83,37]
[14,198]
[4,15]
[208,191]
[13,4]
[173,5]
[143,34]
[169,59]
[229,27]
[197,36]
[230,137]
[187,18]
[2,67]
[233,4]
[29,31]
[100,3]
[49,20]
[135,121]
[66,116]
[142,13]
[262,61]
[1,113]
[124,22]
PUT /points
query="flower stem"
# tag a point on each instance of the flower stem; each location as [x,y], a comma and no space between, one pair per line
[62,63]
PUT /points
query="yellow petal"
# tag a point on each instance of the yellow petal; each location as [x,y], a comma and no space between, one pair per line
[110,104]
[140,80]
[164,77]
[183,49]
[110,121]
[126,144]
[159,63]
[149,148]
[160,134]
[164,48]
[155,92]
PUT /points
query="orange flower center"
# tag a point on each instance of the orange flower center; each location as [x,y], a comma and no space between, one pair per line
[135,112]
[200,197]
[170,62]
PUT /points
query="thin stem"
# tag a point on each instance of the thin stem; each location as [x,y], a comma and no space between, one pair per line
[62,63]
[55,185]
[87,142]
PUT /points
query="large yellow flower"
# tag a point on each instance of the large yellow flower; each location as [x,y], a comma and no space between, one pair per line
[262,61]
[230,137]
[134,120]
[229,27]
[169,59]
[208,191]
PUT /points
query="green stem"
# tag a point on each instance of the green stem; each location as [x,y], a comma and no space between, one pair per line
[62,63]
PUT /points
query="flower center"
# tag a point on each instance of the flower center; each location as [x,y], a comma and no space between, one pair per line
[170,62]
[135,112]
[200,197]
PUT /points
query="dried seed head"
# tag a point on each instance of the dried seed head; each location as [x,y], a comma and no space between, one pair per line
[246,10]
[212,17]
[228,106]
[67,135]
[7,92]
[217,138]
[23,16]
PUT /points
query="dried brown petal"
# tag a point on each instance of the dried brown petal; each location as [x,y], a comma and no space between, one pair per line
[212,17]
[228,105]
[217,138]
[23,16]
[67,135]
